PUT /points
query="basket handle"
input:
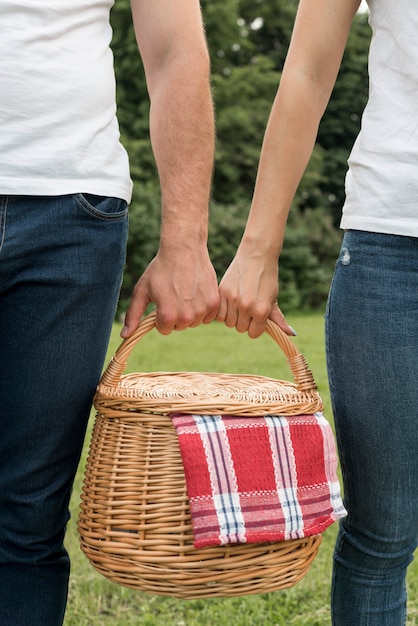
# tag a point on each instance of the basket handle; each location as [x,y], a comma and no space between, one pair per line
[302,375]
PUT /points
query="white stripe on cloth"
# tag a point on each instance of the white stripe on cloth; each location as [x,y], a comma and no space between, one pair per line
[330,458]
[285,475]
[223,479]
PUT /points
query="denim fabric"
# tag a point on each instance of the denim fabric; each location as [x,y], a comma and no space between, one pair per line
[61,262]
[372,356]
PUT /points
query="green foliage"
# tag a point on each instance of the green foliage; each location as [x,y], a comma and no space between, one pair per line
[132,94]
[228,42]
[306,264]
[243,98]
[248,42]
[341,122]
[269,25]
[226,225]
[143,238]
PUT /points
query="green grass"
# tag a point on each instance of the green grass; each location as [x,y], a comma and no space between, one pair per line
[94,601]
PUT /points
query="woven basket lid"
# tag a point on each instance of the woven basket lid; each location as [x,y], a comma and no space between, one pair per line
[207,392]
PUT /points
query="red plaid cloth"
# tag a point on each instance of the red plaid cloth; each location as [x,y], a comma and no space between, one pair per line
[258,479]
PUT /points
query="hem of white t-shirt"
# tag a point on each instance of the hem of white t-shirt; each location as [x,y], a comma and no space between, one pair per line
[26,187]
[407,228]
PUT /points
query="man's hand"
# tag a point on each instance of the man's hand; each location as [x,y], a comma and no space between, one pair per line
[183,287]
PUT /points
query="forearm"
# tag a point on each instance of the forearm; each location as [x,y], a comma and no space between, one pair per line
[311,67]
[172,45]
[287,147]
[250,286]
[182,136]
[180,280]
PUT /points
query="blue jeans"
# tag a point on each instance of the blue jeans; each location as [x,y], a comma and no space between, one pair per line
[372,356]
[61,263]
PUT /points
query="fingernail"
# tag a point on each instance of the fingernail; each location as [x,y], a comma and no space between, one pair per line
[293,331]
[123,331]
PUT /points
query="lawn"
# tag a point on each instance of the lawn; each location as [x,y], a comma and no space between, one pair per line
[94,601]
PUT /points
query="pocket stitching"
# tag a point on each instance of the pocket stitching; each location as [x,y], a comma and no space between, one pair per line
[87,207]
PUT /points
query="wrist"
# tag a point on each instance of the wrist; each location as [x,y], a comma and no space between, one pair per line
[262,245]
[184,219]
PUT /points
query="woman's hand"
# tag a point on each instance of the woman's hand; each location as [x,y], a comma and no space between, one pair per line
[248,294]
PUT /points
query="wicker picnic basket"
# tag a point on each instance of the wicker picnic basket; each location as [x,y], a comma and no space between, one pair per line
[135,523]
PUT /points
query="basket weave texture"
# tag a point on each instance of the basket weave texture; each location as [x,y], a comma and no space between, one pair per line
[134,523]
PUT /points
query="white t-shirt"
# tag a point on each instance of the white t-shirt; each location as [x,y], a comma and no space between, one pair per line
[58,127]
[382,180]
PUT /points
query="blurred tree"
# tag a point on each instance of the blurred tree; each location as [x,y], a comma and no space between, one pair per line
[243,100]
[269,24]
[341,122]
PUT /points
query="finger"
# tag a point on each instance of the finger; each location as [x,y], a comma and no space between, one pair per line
[222,310]
[277,316]
[169,318]
[210,317]
[256,329]
[243,322]
[206,314]
[212,313]
[164,324]
[227,313]
[231,318]
[182,326]
[136,310]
